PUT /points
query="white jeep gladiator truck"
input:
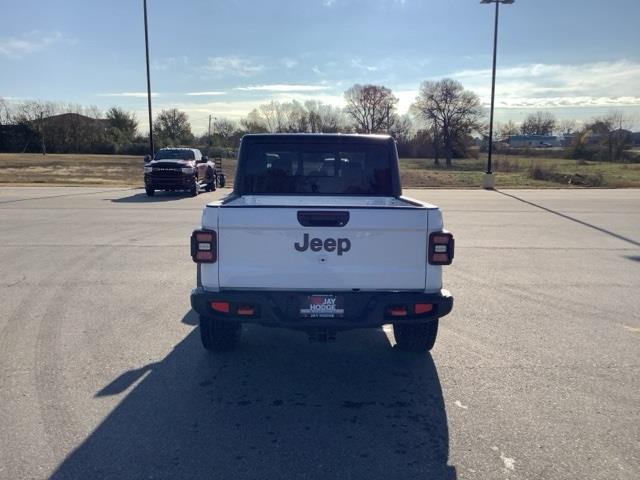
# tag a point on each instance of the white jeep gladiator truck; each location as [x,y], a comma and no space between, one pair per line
[316,236]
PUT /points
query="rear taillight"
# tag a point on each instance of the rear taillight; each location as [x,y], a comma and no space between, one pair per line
[204,248]
[441,247]
[222,307]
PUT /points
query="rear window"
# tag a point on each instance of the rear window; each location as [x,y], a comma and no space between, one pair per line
[177,154]
[305,169]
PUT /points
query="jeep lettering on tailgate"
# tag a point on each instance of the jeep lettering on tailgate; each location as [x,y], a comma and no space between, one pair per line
[340,245]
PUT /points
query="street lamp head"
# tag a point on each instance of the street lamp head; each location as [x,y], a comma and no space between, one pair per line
[506,2]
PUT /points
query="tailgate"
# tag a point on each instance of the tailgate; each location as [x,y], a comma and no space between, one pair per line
[298,248]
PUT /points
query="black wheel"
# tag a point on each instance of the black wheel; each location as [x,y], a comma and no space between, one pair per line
[222,180]
[150,191]
[193,191]
[218,336]
[419,337]
[211,180]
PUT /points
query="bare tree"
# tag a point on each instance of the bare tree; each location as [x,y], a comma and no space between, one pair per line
[35,113]
[225,130]
[278,117]
[372,107]
[33,110]
[507,130]
[453,112]
[402,128]
[324,118]
[173,128]
[224,127]
[92,111]
[295,118]
[538,123]
[566,126]
[619,120]
[612,132]
[271,115]
[6,118]
[254,122]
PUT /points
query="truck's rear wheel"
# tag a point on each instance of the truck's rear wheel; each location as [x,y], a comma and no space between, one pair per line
[211,180]
[218,336]
[419,337]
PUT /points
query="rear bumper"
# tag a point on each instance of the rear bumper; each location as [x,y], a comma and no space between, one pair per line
[282,308]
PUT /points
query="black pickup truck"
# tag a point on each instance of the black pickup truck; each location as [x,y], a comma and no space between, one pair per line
[181,169]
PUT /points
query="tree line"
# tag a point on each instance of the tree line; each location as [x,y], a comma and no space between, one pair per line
[605,138]
[441,124]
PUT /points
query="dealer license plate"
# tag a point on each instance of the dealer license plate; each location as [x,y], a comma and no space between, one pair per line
[322,306]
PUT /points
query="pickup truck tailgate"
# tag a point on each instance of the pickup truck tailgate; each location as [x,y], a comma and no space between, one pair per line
[322,247]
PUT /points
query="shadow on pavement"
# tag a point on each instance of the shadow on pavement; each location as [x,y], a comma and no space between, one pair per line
[75,194]
[573,219]
[158,197]
[279,407]
[190,318]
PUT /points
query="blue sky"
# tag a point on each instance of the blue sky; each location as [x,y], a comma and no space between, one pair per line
[578,58]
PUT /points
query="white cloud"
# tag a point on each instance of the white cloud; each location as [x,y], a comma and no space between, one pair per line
[574,91]
[602,84]
[282,88]
[336,100]
[169,62]
[128,94]
[405,99]
[205,94]
[233,65]
[234,109]
[28,43]
[359,64]
[289,62]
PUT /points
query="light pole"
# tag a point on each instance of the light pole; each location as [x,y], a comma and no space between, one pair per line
[209,131]
[488,180]
[146,45]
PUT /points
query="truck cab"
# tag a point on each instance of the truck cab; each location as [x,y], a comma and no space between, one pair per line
[317,236]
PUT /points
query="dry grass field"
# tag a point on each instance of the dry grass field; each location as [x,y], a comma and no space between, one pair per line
[511,171]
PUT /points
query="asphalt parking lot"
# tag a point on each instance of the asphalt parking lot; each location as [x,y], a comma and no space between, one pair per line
[535,374]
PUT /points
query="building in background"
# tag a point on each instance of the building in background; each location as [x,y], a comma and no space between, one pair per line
[535,141]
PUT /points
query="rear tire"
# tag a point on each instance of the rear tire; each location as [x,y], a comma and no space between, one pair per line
[211,178]
[219,336]
[150,191]
[418,338]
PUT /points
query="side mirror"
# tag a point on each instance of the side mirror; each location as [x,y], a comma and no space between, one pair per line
[147,158]
[205,158]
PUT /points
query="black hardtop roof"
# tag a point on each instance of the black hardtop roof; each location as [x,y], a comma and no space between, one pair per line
[315,138]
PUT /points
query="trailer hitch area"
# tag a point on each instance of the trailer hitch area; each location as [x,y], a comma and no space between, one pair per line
[322,336]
